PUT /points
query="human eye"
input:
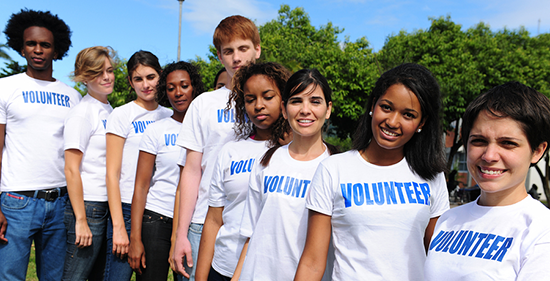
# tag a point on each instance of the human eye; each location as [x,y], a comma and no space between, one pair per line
[137,79]
[170,89]
[30,43]
[509,143]
[184,86]
[110,70]
[151,77]
[227,51]
[476,141]
[385,107]
[409,115]
[45,45]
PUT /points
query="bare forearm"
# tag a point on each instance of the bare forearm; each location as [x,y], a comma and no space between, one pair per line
[212,225]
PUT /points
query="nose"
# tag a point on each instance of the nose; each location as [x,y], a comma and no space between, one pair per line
[37,49]
[305,108]
[393,120]
[237,56]
[491,153]
[259,104]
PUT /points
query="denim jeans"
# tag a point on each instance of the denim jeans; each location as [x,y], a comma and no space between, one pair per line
[81,262]
[194,235]
[33,219]
[117,269]
[155,234]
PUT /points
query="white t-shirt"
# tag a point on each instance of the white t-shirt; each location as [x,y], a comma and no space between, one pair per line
[130,121]
[275,217]
[229,188]
[379,216]
[473,242]
[85,131]
[33,111]
[207,126]
[160,139]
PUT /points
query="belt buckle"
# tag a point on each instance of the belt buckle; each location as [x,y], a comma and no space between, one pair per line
[51,195]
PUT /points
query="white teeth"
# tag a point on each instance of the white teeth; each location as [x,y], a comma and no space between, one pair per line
[491,172]
[389,133]
[305,121]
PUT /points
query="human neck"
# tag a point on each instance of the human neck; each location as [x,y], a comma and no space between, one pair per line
[101,98]
[45,75]
[376,155]
[148,105]
[306,148]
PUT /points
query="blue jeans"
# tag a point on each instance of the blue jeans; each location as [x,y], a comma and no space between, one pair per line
[117,269]
[194,235]
[156,231]
[33,219]
[80,263]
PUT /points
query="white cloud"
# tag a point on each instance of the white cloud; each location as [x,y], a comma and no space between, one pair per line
[205,15]
[514,14]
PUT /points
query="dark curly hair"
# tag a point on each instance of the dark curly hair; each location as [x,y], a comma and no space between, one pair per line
[196,81]
[275,72]
[18,23]
[424,152]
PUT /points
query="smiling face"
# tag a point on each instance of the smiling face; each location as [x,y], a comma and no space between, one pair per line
[144,80]
[38,50]
[238,53]
[103,84]
[396,117]
[498,157]
[262,101]
[179,90]
[307,111]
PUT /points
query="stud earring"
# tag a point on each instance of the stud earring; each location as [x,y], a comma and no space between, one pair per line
[419,130]
[370,113]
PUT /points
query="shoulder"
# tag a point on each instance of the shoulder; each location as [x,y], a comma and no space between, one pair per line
[212,99]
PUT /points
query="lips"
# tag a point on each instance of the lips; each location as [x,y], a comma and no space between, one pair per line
[491,172]
[389,133]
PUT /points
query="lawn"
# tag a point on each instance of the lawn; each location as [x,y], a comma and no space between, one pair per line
[31,269]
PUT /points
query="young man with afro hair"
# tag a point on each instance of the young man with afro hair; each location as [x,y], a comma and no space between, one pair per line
[33,106]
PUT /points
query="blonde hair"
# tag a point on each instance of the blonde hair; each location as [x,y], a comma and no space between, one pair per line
[89,63]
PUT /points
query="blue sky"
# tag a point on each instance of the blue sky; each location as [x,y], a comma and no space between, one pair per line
[131,25]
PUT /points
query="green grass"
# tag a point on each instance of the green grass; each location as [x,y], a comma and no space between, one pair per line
[31,269]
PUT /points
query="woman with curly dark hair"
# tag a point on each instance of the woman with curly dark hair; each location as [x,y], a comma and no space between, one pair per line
[256,97]
[157,175]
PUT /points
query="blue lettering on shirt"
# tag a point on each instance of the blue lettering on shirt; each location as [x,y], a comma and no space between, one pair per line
[43,97]
[140,126]
[385,193]
[242,166]
[226,116]
[286,185]
[104,121]
[170,139]
[487,246]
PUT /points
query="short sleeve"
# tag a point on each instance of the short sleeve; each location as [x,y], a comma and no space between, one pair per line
[535,265]
[321,195]
[253,201]
[150,141]
[192,132]
[117,123]
[217,195]
[183,157]
[77,133]
[440,202]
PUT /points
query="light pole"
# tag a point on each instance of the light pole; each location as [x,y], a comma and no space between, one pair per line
[179,31]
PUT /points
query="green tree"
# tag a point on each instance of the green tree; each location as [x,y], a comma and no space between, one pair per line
[12,68]
[348,66]
[208,68]
[4,54]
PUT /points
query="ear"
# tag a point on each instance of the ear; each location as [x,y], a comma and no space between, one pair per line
[284,110]
[55,55]
[421,124]
[539,152]
[329,110]
[130,82]
[258,51]
[219,56]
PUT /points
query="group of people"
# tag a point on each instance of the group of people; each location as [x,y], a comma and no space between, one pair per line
[238,183]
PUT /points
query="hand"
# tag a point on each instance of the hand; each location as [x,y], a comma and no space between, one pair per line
[120,242]
[83,234]
[182,251]
[3,227]
[171,259]
[136,256]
